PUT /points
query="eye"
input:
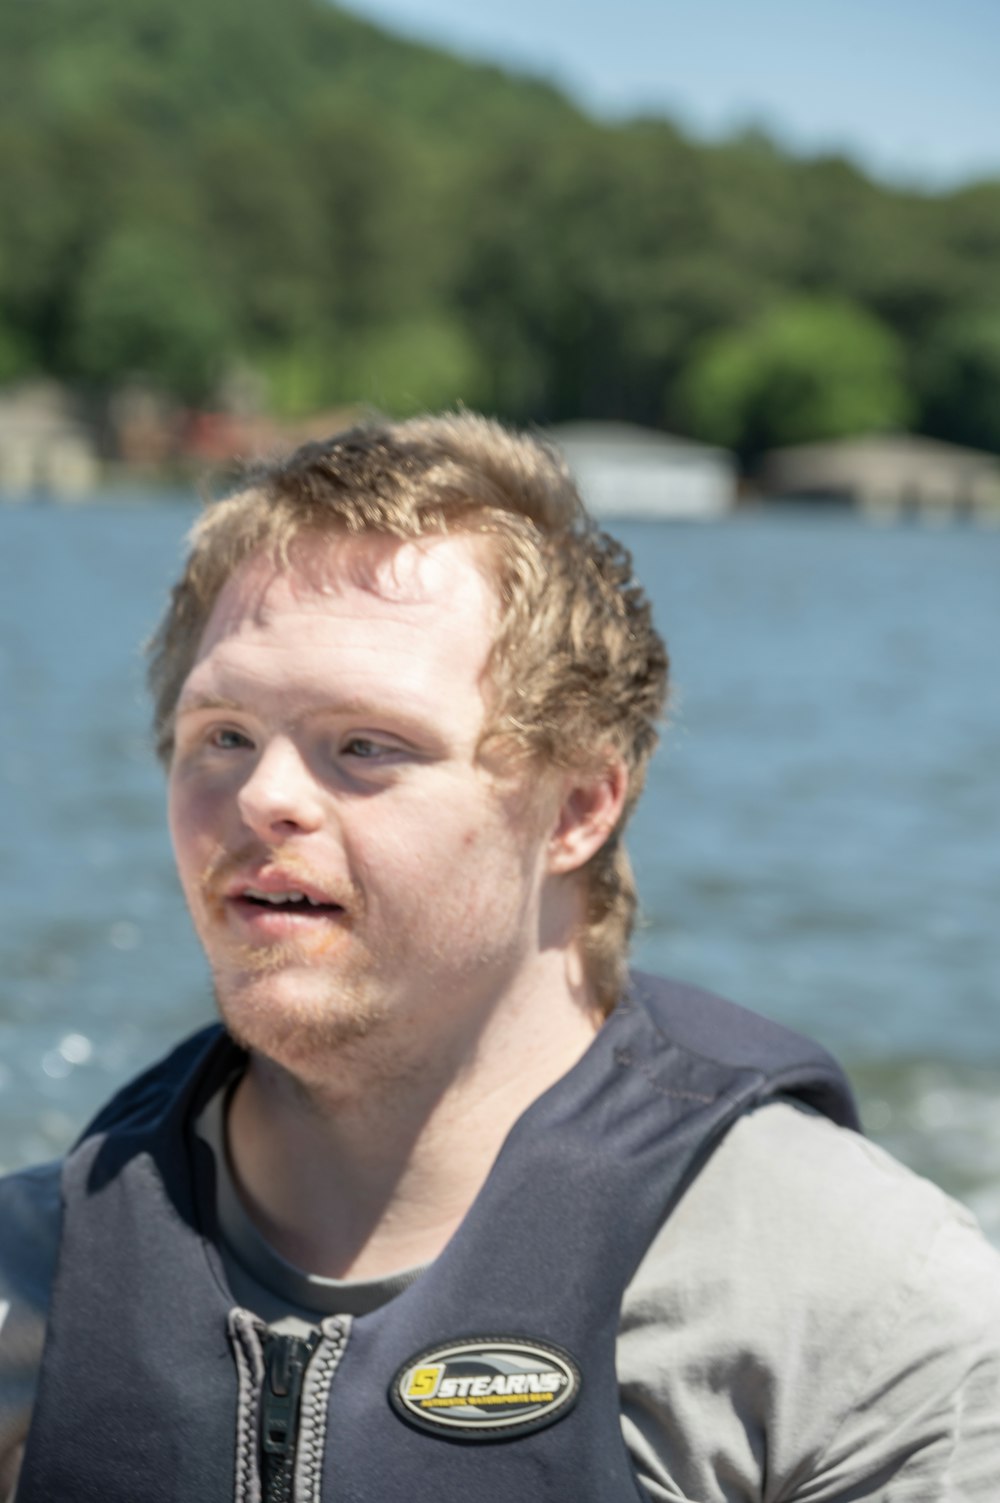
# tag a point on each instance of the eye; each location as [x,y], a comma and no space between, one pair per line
[225,738]
[363,748]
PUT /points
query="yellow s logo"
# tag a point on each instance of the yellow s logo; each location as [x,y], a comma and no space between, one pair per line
[424,1381]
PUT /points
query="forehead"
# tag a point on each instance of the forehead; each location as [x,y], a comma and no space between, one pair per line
[415,577]
[382,593]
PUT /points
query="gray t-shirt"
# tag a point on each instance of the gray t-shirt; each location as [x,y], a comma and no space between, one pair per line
[812,1323]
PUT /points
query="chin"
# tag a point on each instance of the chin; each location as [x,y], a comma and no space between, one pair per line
[300,1021]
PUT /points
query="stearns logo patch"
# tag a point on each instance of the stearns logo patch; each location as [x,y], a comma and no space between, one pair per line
[486,1387]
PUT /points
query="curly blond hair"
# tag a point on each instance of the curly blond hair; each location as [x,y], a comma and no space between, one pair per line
[577,670]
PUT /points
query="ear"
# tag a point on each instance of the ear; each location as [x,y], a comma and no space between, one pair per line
[591,808]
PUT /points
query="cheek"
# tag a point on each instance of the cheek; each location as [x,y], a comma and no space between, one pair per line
[192,829]
[488,865]
[422,860]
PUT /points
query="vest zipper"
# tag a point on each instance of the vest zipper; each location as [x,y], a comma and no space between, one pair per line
[284,1391]
[285,1361]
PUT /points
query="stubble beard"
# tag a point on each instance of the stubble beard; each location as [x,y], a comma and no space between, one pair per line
[302,1023]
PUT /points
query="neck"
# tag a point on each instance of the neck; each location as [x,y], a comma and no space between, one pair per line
[370,1169]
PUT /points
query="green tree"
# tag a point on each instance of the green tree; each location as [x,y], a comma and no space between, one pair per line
[806,369]
[15,360]
[145,309]
[960,380]
[409,366]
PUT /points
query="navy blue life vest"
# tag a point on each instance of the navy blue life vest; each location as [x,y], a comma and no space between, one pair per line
[150,1385]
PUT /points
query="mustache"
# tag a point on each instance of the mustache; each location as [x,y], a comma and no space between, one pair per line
[226,867]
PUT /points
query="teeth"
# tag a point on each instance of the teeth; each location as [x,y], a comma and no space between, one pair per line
[293,896]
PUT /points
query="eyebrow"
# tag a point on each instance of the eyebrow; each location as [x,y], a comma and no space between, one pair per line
[205,702]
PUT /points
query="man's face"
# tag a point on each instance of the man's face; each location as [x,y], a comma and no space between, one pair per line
[349,863]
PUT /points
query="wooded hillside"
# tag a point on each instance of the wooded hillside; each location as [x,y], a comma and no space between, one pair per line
[288,190]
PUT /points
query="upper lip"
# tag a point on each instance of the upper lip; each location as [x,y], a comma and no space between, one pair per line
[276,883]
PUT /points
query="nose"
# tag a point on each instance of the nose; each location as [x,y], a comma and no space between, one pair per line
[280,797]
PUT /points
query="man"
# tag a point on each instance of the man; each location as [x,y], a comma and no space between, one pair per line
[453,1209]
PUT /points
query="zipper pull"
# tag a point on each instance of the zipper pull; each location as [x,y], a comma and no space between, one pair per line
[285,1361]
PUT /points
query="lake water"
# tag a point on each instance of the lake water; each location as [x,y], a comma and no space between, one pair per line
[820,838]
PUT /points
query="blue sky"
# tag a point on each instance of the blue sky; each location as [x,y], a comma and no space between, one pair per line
[910,88]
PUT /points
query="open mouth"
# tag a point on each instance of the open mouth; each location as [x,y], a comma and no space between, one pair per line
[294,902]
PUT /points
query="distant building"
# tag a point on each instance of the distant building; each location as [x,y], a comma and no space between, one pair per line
[217,438]
[45,449]
[143,427]
[887,473]
[625,471]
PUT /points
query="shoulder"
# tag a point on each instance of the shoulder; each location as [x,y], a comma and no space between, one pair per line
[786,1174]
[725,1034]
[822,1303]
[30,1217]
